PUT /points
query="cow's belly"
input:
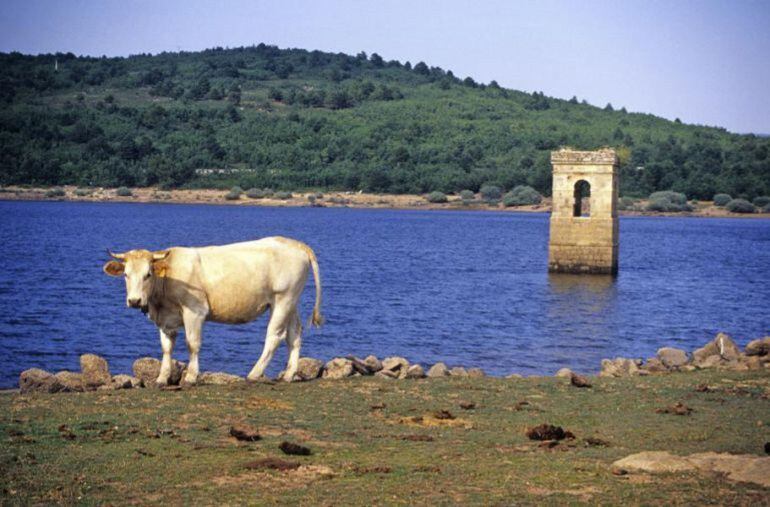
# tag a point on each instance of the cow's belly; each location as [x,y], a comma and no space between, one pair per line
[236,310]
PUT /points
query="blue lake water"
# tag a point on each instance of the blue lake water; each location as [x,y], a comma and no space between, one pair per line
[467,288]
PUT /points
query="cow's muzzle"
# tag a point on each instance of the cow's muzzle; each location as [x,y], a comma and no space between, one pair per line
[134,303]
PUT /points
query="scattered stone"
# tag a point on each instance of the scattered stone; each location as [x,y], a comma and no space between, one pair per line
[546,432]
[397,365]
[95,371]
[245,433]
[759,347]
[386,374]
[458,371]
[476,373]
[418,438]
[294,449]
[373,363]
[218,378]
[70,381]
[415,371]
[672,357]
[467,405]
[736,467]
[619,367]
[359,367]
[309,368]
[711,361]
[655,365]
[338,368]
[678,409]
[443,414]
[438,370]
[272,464]
[579,380]
[125,382]
[37,380]
[564,373]
[147,370]
[722,346]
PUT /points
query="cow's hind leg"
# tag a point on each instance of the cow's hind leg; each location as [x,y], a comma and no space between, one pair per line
[167,339]
[294,341]
[277,329]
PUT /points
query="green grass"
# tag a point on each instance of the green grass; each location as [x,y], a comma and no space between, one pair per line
[160,447]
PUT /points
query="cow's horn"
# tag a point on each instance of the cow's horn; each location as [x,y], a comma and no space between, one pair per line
[120,257]
[156,256]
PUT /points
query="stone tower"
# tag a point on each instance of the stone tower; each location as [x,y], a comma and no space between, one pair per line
[584,220]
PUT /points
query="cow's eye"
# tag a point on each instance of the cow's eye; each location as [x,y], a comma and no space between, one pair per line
[147,276]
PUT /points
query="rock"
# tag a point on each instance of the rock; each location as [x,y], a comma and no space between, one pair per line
[218,378]
[619,367]
[373,363]
[396,364]
[754,363]
[564,373]
[359,367]
[95,371]
[722,346]
[309,368]
[760,347]
[458,371]
[415,371]
[736,467]
[37,380]
[476,373]
[708,362]
[579,381]
[71,381]
[514,376]
[124,382]
[655,365]
[244,432]
[438,370]
[338,368]
[147,370]
[671,357]
[386,374]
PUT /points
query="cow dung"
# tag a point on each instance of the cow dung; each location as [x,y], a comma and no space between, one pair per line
[272,464]
[295,449]
[244,433]
[547,432]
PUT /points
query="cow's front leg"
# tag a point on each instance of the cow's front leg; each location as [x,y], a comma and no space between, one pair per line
[167,339]
[193,332]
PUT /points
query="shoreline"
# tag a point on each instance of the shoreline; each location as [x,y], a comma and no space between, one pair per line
[341,199]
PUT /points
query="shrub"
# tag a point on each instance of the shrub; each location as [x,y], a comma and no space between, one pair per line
[740,206]
[467,195]
[234,194]
[761,201]
[283,195]
[55,192]
[626,203]
[82,192]
[668,201]
[766,209]
[436,197]
[522,195]
[490,192]
[123,192]
[311,199]
[319,195]
[258,193]
[721,199]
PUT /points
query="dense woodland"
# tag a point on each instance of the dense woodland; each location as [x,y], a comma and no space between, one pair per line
[294,119]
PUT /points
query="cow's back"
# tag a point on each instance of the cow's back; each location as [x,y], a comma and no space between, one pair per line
[242,280]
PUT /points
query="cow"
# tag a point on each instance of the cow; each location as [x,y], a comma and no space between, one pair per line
[231,284]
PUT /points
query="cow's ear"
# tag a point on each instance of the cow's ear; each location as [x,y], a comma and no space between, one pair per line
[114,268]
[160,268]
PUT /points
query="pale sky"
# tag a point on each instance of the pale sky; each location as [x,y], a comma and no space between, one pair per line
[704,62]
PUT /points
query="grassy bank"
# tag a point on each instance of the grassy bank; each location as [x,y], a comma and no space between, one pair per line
[379,441]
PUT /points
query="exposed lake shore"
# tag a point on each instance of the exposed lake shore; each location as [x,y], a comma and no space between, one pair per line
[345,199]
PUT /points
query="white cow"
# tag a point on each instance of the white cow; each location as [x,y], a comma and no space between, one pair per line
[232,284]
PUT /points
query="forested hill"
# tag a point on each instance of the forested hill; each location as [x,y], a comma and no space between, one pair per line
[297,119]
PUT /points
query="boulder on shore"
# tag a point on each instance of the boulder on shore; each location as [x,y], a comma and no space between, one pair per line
[458,371]
[476,373]
[654,365]
[415,371]
[70,381]
[218,378]
[620,367]
[373,363]
[147,370]
[125,382]
[722,346]
[395,364]
[309,368]
[95,371]
[564,373]
[37,380]
[759,347]
[338,368]
[438,370]
[672,357]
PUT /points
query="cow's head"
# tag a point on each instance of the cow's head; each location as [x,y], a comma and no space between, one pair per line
[140,268]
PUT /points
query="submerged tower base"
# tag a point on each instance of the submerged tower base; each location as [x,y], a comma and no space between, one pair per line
[584,222]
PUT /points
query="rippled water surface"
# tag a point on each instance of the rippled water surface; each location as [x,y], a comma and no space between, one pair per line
[467,288]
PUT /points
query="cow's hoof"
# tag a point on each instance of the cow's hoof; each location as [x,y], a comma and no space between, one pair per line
[287,378]
[159,385]
[188,383]
[260,380]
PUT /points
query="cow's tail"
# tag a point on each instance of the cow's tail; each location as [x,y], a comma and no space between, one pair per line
[316,319]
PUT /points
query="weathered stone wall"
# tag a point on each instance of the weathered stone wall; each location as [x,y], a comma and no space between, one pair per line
[584,244]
